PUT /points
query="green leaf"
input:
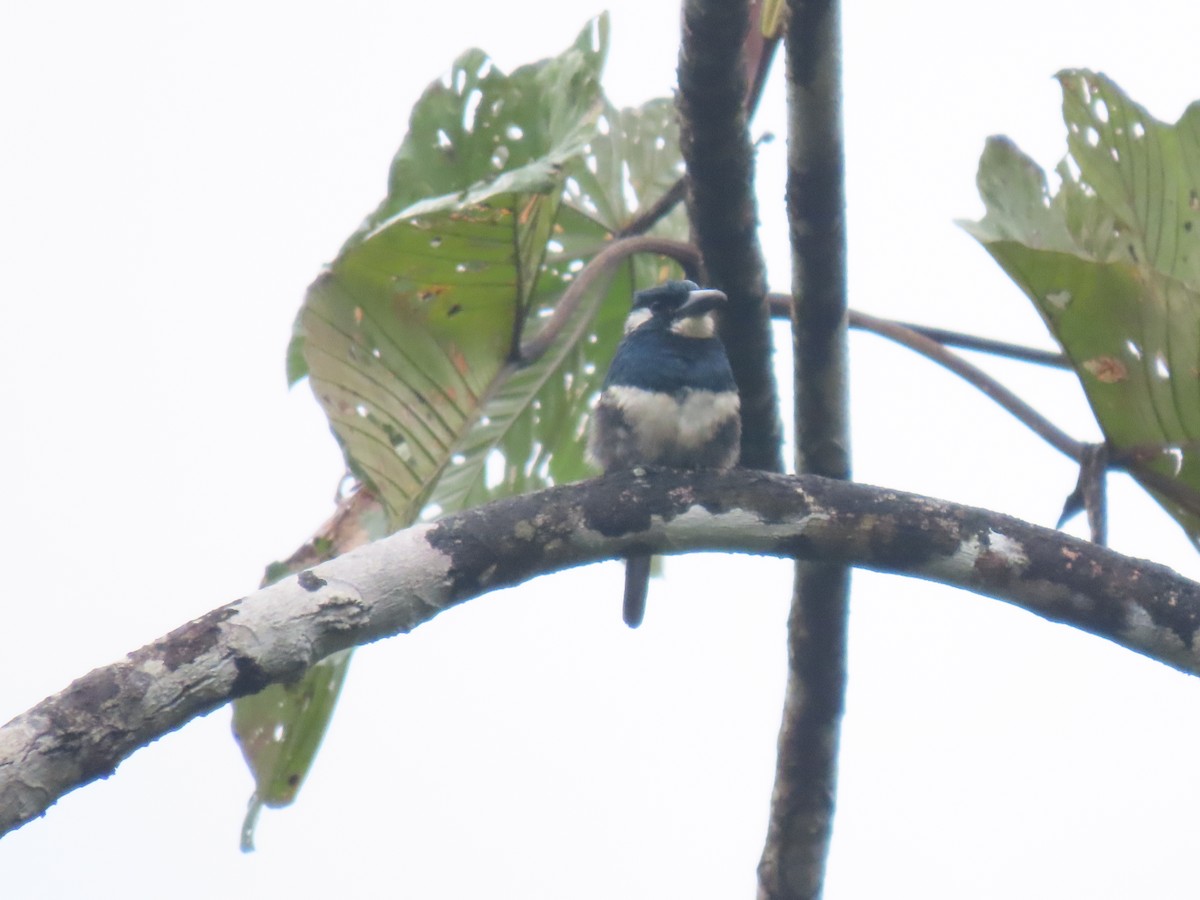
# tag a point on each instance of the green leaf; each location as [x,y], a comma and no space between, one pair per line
[504,189]
[406,334]
[628,165]
[478,132]
[1112,262]
[280,729]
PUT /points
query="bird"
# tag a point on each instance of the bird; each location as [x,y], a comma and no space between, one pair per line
[669,399]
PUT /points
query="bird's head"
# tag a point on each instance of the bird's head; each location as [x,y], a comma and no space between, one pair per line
[680,306]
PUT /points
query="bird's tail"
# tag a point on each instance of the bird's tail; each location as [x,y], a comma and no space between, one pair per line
[637,584]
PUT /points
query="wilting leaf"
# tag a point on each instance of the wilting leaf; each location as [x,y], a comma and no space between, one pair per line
[1112,262]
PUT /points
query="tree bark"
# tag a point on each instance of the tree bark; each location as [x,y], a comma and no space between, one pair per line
[804,794]
[392,585]
[714,137]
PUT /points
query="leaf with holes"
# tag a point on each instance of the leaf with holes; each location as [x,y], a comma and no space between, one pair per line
[627,166]
[1112,262]
[405,333]
[505,188]
[530,434]
[280,729]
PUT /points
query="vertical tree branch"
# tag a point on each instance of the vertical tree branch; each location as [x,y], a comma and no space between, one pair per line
[802,802]
[715,139]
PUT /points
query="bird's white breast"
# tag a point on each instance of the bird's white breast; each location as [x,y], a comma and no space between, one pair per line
[665,424]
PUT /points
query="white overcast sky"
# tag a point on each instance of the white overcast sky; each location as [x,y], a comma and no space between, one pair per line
[172,175]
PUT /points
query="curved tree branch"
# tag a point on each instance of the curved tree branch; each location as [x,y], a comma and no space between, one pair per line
[601,266]
[657,211]
[781,308]
[1022,411]
[395,584]
[1137,461]
[949,338]
[715,139]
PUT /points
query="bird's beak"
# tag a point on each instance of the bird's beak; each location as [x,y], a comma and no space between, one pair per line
[699,302]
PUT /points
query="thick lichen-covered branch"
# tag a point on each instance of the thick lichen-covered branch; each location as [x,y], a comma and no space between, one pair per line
[395,584]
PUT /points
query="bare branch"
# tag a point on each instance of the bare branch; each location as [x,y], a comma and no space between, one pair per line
[659,209]
[991,346]
[1030,417]
[715,139]
[804,795]
[1137,461]
[781,308]
[1090,494]
[393,585]
[932,349]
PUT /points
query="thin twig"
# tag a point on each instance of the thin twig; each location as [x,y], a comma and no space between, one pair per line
[932,348]
[781,308]
[395,584]
[1030,417]
[660,209]
[1090,494]
[987,345]
[1134,460]
[600,267]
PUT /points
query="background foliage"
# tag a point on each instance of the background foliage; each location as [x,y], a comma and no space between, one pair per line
[192,207]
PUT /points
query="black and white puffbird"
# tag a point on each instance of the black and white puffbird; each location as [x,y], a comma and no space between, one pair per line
[669,400]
